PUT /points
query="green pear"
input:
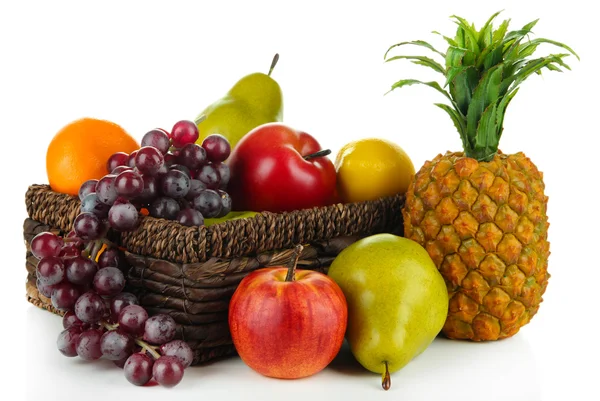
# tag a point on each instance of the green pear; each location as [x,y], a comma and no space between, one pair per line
[397,301]
[254,100]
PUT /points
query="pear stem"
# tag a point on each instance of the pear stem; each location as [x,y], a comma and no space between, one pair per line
[386,380]
[291,273]
[200,119]
[320,153]
[273,63]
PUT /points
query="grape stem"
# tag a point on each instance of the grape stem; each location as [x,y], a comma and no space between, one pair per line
[87,250]
[145,346]
[95,249]
[148,348]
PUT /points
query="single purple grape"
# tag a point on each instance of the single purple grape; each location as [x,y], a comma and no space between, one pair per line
[67,341]
[88,344]
[64,296]
[224,174]
[109,281]
[184,132]
[87,188]
[149,160]
[129,184]
[159,329]
[138,368]
[123,216]
[90,307]
[80,270]
[217,148]
[105,188]
[112,256]
[192,155]
[88,226]
[44,289]
[208,202]
[164,208]
[190,217]
[132,319]
[209,175]
[46,244]
[50,270]
[167,371]
[91,204]
[157,138]
[116,160]
[116,345]
[70,319]
[179,349]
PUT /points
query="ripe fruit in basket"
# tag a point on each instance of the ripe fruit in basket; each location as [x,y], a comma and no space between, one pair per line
[372,168]
[287,323]
[80,150]
[254,100]
[481,214]
[276,168]
[397,301]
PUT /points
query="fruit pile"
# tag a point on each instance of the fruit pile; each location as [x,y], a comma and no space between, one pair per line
[170,176]
[472,265]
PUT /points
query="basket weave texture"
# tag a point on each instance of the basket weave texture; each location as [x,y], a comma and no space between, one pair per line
[192,272]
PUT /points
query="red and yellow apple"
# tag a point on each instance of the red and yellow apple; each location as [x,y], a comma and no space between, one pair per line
[287,323]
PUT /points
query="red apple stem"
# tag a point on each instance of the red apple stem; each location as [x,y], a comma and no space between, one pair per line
[291,273]
[320,153]
[386,381]
[273,63]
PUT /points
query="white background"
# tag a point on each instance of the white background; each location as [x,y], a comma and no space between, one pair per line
[148,64]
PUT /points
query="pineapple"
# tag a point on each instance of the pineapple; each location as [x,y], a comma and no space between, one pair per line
[481,214]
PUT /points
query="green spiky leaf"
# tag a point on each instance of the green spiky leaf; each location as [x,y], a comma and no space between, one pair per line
[421,60]
[483,71]
[432,84]
[462,87]
[416,43]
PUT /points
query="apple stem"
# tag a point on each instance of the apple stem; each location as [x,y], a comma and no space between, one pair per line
[200,119]
[291,273]
[320,153]
[273,63]
[386,380]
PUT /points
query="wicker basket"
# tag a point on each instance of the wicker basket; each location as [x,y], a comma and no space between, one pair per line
[191,272]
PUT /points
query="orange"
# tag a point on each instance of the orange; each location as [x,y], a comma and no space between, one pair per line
[80,150]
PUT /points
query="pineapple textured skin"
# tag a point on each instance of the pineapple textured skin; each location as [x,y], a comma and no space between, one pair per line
[485,226]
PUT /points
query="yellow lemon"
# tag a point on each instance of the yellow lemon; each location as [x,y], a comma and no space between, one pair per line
[372,168]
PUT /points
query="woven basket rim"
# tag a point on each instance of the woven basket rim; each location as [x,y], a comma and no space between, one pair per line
[264,231]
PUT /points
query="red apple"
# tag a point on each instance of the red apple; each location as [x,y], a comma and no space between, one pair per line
[277,168]
[287,323]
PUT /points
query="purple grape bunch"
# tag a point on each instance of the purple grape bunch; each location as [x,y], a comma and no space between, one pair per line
[101,321]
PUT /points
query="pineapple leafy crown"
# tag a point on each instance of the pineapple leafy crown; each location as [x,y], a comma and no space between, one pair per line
[483,70]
